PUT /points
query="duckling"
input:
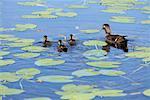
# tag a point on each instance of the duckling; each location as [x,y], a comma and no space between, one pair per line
[72,41]
[61,47]
[113,39]
[46,43]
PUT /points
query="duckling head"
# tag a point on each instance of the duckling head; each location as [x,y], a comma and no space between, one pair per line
[107,29]
[59,42]
[71,36]
[45,37]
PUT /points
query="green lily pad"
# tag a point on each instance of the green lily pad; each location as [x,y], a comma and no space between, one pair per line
[56,79]
[146,92]
[25,40]
[2,36]
[24,27]
[6,62]
[85,72]
[90,31]
[31,3]
[38,98]
[9,77]
[28,73]
[9,91]
[146,59]
[6,29]
[21,44]
[27,55]
[112,72]
[138,54]
[4,53]
[146,49]
[85,92]
[104,64]
[77,6]
[122,19]
[66,14]
[95,54]
[34,49]
[48,62]
[145,22]
[94,42]
[40,16]
[0,97]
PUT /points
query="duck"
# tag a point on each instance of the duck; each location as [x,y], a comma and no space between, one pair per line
[46,43]
[116,41]
[113,39]
[72,41]
[61,47]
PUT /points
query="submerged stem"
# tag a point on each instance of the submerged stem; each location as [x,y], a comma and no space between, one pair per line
[20,83]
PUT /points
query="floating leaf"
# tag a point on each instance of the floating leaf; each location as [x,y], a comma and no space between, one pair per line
[146,49]
[146,92]
[145,22]
[95,54]
[38,98]
[138,54]
[27,55]
[9,91]
[66,14]
[104,64]
[146,59]
[3,36]
[48,62]
[4,53]
[112,72]
[17,44]
[28,73]
[94,42]
[90,31]
[6,62]
[31,3]
[9,77]
[24,27]
[122,19]
[6,29]
[85,72]
[56,79]
[34,49]
[77,6]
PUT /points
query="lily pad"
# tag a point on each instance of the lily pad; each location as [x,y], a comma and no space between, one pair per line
[85,72]
[146,92]
[27,55]
[28,73]
[77,6]
[9,77]
[104,64]
[90,31]
[31,3]
[85,92]
[138,54]
[6,62]
[112,72]
[38,98]
[34,49]
[122,19]
[145,22]
[40,16]
[17,44]
[94,42]
[146,49]
[24,27]
[6,29]
[95,54]
[66,14]
[9,91]
[4,53]
[56,79]
[48,62]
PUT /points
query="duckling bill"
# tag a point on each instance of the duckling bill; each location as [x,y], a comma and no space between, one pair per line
[61,47]
[72,41]
[46,43]
[116,41]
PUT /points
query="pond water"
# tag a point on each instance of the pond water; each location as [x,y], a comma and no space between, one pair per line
[117,70]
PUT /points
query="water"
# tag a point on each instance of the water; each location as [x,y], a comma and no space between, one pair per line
[87,19]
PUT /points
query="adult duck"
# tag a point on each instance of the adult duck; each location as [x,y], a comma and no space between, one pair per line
[113,39]
[46,43]
[116,41]
[61,47]
[72,41]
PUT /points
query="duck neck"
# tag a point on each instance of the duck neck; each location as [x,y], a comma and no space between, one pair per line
[107,31]
[71,37]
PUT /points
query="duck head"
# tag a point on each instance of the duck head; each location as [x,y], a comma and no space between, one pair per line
[59,42]
[107,29]
[45,38]
[71,36]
